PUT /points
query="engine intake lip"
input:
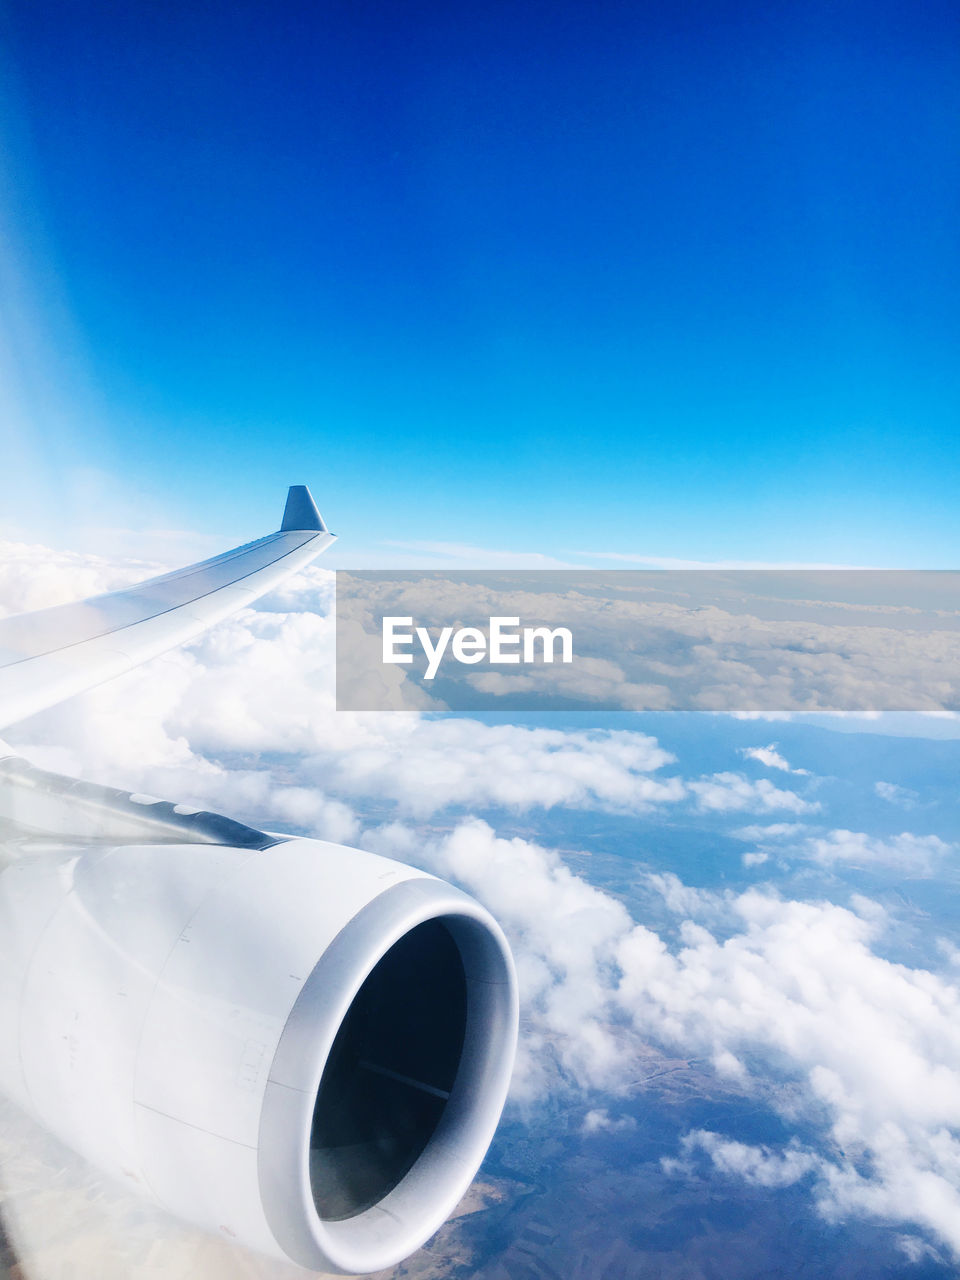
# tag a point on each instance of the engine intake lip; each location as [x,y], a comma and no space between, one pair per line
[360,1238]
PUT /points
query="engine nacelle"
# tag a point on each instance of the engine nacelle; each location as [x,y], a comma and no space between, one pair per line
[305,1048]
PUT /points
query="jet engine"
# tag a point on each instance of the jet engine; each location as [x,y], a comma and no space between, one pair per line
[301,1046]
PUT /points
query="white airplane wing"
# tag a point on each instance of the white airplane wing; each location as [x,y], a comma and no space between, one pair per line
[52,654]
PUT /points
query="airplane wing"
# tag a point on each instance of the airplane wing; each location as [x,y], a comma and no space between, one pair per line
[52,654]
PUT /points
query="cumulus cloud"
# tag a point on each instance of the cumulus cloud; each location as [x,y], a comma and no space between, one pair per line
[692,641]
[592,680]
[796,995]
[755,859]
[874,1046]
[915,855]
[463,762]
[37,577]
[599,1121]
[757,1165]
[687,900]
[912,854]
[771,758]
[260,686]
[255,698]
[731,792]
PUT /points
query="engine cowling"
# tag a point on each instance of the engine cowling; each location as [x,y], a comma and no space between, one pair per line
[305,1048]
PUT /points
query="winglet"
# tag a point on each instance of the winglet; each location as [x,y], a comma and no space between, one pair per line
[301,511]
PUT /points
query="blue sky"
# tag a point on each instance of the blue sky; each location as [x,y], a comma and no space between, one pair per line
[673,281]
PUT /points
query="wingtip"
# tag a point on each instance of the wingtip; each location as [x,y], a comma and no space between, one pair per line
[301,512]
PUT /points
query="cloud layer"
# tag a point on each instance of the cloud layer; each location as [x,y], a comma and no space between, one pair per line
[791,1001]
[795,1006]
[717,642]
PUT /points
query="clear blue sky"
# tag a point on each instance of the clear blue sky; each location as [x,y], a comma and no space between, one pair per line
[673,279]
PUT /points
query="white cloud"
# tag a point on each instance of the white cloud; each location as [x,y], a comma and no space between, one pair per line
[307,808]
[686,900]
[756,859]
[796,995]
[600,1121]
[873,1045]
[912,854]
[916,1250]
[758,1165]
[771,831]
[895,794]
[262,684]
[771,758]
[732,792]
[695,642]
[597,681]
[463,762]
[35,577]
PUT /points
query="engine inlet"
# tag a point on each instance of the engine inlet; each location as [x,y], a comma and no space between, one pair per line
[390,1072]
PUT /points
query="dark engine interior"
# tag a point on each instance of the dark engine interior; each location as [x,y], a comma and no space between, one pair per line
[389,1073]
